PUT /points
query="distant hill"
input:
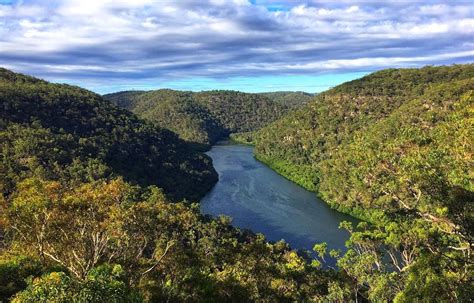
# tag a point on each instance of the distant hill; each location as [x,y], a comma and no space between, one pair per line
[125,99]
[56,130]
[204,117]
[79,221]
[289,98]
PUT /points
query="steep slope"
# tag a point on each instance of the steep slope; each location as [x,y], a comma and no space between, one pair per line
[179,112]
[67,128]
[294,144]
[394,148]
[201,118]
[72,229]
[239,112]
[417,158]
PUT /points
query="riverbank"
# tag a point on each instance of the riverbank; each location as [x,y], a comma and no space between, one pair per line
[260,199]
[293,174]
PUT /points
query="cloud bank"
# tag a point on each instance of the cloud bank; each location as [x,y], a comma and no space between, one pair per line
[143,41]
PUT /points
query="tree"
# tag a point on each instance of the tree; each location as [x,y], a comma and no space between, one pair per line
[105,283]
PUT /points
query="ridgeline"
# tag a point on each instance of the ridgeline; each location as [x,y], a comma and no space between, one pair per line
[90,208]
[205,117]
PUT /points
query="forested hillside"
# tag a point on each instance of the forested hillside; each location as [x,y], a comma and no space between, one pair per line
[125,99]
[60,131]
[394,148]
[202,118]
[86,212]
[79,223]
[289,99]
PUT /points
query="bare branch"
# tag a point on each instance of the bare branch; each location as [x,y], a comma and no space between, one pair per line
[168,246]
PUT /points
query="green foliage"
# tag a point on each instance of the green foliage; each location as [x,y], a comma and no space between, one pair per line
[337,293]
[306,137]
[52,130]
[394,148]
[125,99]
[162,251]
[394,139]
[103,284]
[14,270]
[320,249]
[242,138]
[289,99]
[53,287]
[240,112]
[201,118]
[76,201]
[81,219]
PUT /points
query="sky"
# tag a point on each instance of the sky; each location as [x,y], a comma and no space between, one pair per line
[247,45]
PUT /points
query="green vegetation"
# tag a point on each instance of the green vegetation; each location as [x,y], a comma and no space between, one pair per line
[82,220]
[201,118]
[64,132]
[289,99]
[108,241]
[393,148]
[125,99]
[86,212]
[246,138]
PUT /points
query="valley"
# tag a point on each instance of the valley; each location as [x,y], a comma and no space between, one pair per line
[101,193]
[244,151]
[203,118]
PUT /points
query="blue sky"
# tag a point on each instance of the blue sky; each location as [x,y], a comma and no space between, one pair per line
[258,45]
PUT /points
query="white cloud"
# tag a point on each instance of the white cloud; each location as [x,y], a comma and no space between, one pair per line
[161,39]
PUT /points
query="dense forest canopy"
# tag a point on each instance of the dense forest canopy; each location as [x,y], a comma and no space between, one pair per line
[61,129]
[124,99]
[393,148]
[86,212]
[203,118]
[82,218]
[289,99]
[322,129]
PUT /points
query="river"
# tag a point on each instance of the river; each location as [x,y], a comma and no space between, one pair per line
[259,199]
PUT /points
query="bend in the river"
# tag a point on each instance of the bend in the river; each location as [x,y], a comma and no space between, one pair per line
[259,199]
